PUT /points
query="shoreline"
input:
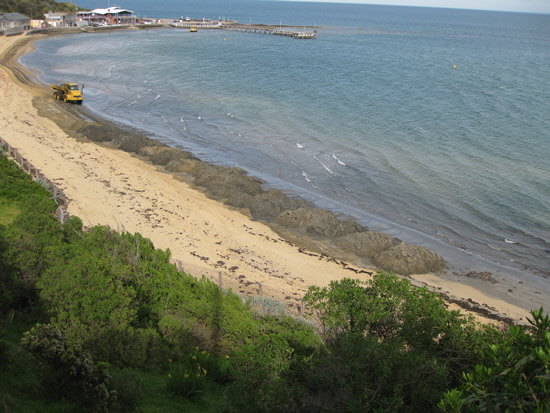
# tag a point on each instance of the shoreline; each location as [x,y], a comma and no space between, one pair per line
[304,261]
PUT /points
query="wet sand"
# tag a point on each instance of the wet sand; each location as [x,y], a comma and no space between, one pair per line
[214,220]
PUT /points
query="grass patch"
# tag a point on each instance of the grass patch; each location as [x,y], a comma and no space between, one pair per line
[8,211]
[156,398]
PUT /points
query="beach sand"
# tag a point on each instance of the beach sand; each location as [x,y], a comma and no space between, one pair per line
[107,186]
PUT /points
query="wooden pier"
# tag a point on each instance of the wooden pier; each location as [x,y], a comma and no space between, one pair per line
[275,31]
[258,28]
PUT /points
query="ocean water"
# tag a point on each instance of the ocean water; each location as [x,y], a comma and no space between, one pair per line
[431,125]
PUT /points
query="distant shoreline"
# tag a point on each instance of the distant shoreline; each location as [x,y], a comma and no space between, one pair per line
[166,24]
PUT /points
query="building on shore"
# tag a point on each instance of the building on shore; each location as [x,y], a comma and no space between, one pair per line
[38,24]
[60,19]
[14,23]
[108,16]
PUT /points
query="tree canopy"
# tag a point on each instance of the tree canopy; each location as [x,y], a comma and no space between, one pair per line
[35,9]
[97,320]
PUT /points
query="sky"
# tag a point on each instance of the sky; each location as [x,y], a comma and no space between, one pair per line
[528,6]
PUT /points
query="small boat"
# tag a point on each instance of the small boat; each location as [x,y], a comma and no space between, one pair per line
[193,29]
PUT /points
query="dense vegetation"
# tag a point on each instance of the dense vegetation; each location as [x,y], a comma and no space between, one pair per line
[35,9]
[100,321]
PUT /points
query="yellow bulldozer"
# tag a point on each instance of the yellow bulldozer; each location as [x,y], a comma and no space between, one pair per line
[68,92]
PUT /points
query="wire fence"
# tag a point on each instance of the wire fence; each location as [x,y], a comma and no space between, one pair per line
[58,195]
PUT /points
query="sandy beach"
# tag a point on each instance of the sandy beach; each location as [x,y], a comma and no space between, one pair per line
[108,186]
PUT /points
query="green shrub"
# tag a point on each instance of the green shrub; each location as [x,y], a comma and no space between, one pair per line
[389,345]
[260,367]
[15,184]
[187,378]
[218,367]
[8,211]
[514,377]
[3,349]
[68,372]
[129,388]
[128,347]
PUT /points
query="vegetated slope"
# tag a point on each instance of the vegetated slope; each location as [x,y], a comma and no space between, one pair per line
[35,9]
[100,321]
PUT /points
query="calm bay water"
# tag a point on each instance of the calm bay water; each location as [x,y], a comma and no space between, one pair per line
[371,119]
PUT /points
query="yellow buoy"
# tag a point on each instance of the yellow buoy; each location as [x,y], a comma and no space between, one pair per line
[454,66]
[224,39]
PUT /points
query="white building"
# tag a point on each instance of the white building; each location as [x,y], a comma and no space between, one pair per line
[111,15]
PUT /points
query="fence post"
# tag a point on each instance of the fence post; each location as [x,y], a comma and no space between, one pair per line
[260,289]
[220,279]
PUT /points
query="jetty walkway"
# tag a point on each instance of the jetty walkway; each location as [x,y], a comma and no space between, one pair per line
[277,32]
[260,28]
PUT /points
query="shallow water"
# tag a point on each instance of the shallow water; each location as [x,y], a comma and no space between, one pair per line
[371,119]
